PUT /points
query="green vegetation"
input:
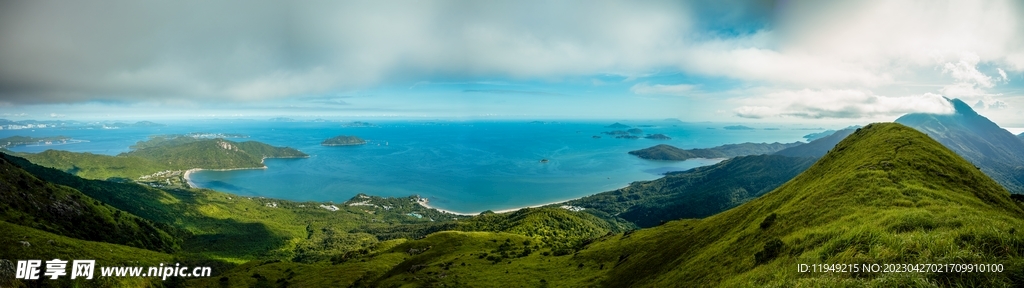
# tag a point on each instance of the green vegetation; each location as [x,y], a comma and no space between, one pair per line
[668,152]
[697,193]
[343,140]
[27,201]
[558,229]
[994,150]
[23,140]
[95,166]
[887,194]
[161,159]
[181,153]
[44,245]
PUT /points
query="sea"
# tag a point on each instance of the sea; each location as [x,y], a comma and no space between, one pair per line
[464,166]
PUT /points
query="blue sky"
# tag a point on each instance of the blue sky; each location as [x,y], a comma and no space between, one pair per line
[833,62]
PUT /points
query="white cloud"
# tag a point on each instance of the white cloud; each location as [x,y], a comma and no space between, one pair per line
[57,52]
[848,104]
[661,89]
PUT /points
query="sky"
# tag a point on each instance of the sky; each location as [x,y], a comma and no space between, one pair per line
[725,61]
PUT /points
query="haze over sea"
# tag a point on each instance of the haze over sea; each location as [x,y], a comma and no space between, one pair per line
[461,166]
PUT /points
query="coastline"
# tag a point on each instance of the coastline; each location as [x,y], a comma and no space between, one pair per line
[188,173]
[188,180]
[426,204]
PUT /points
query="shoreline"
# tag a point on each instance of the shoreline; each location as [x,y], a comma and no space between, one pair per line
[426,204]
[188,180]
[188,173]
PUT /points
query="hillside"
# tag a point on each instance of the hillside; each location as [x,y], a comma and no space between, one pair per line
[95,166]
[27,201]
[163,154]
[817,147]
[213,154]
[668,152]
[45,245]
[887,194]
[696,193]
[996,151]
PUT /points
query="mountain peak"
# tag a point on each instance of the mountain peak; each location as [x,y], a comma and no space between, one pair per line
[996,151]
[962,108]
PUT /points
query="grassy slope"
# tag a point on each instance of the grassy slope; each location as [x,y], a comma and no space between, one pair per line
[886,194]
[46,246]
[697,193]
[160,154]
[95,166]
[213,154]
[239,229]
[979,140]
[522,247]
[668,152]
[26,200]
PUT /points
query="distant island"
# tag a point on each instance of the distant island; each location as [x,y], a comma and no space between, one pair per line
[358,124]
[163,161]
[635,131]
[343,140]
[658,137]
[738,127]
[616,132]
[23,140]
[617,125]
[668,152]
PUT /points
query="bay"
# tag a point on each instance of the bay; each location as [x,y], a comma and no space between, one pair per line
[461,166]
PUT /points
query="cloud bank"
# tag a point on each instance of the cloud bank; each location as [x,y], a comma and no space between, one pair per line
[817,59]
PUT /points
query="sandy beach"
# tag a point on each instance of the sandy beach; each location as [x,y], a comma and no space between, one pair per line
[188,173]
[426,204]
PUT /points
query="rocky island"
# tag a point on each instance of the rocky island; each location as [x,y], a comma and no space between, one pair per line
[343,141]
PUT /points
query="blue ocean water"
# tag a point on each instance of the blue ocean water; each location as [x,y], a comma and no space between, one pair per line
[461,166]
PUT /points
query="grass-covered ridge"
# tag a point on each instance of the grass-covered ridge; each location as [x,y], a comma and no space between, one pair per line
[887,194]
[669,152]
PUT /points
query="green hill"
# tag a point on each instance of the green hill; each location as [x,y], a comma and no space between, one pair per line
[343,140]
[697,193]
[213,154]
[886,195]
[95,166]
[173,153]
[556,228]
[25,200]
[45,245]
[817,147]
[996,151]
[668,152]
